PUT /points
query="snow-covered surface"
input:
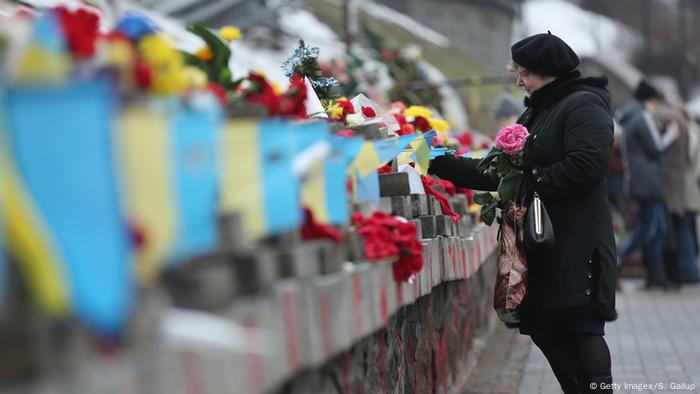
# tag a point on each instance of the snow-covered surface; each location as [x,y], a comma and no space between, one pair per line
[418,29]
[586,32]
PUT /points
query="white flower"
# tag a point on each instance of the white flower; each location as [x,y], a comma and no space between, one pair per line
[355,120]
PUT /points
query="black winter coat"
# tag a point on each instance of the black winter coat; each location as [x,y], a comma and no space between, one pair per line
[572,128]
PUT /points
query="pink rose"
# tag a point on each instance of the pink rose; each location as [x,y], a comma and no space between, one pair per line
[512,138]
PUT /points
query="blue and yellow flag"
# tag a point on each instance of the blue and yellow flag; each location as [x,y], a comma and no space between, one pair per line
[170,166]
[257,176]
[324,189]
[64,215]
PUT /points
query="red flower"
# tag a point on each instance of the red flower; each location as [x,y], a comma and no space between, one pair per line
[81,29]
[347,107]
[444,203]
[448,186]
[315,230]
[219,92]
[368,112]
[345,133]
[386,236]
[421,123]
[143,74]
[466,139]
[407,128]
[400,118]
[385,169]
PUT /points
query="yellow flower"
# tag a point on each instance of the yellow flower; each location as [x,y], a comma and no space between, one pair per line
[204,54]
[439,125]
[230,33]
[416,111]
[166,63]
[195,77]
[276,89]
[335,111]
[119,54]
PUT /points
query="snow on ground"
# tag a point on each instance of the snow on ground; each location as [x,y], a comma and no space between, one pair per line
[418,29]
[586,32]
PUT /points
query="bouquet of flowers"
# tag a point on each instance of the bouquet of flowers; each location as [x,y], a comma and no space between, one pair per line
[506,160]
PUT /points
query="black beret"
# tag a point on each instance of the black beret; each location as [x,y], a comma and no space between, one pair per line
[646,91]
[544,54]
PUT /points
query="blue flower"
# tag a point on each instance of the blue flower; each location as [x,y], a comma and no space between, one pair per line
[135,25]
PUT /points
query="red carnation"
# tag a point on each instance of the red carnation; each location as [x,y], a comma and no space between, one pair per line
[347,107]
[421,123]
[81,29]
[407,128]
[368,112]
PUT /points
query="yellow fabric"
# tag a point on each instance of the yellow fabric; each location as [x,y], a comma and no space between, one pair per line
[29,243]
[367,160]
[241,188]
[313,192]
[144,140]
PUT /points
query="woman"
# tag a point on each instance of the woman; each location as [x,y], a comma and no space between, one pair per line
[571,287]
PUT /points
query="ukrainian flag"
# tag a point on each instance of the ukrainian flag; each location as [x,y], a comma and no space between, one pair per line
[257,176]
[170,169]
[64,217]
[325,188]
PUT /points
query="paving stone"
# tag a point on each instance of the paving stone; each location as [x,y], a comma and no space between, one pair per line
[443,225]
[401,206]
[428,226]
[394,184]
[419,205]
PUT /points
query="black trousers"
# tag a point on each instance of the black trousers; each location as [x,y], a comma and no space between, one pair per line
[581,362]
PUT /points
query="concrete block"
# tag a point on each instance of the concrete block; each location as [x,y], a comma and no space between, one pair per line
[426,274]
[437,269]
[329,314]
[355,247]
[443,225]
[291,311]
[362,296]
[331,255]
[384,294]
[369,131]
[255,271]
[463,227]
[257,315]
[428,226]
[231,235]
[207,282]
[366,208]
[460,204]
[401,206]
[434,207]
[419,205]
[394,184]
[300,261]
[446,269]
[385,205]
[419,228]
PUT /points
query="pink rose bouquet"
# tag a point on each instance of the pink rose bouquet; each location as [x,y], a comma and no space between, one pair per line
[506,160]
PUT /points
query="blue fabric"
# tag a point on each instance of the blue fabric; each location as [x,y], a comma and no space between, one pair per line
[687,259]
[649,233]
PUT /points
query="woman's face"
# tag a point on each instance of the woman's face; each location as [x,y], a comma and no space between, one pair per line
[530,81]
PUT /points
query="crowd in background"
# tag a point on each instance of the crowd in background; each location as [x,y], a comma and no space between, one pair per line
[654,188]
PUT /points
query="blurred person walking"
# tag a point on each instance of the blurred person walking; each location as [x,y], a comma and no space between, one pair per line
[642,147]
[687,241]
[570,286]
